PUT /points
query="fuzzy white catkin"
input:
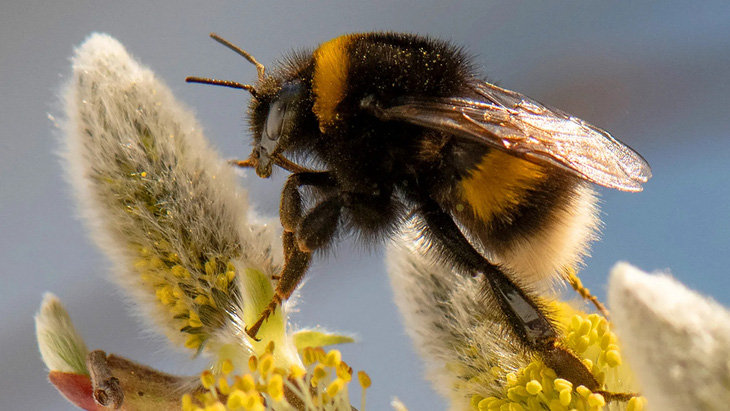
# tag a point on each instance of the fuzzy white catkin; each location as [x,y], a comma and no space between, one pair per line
[144,174]
[453,328]
[677,341]
[61,346]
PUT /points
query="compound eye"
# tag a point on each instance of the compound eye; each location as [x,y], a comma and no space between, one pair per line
[282,111]
[275,120]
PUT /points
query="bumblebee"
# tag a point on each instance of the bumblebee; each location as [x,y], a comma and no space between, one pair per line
[394,126]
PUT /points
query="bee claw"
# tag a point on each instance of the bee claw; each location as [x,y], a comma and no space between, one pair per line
[253,330]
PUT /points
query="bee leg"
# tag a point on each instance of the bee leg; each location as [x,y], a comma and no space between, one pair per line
[248,163]
[368,212]
[290,208]
[572,278]
[296,259]
[296,263]
[319,226]
[525,316]
[251,162]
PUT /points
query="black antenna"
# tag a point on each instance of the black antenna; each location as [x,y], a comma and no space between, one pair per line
[224,83]
[260,69]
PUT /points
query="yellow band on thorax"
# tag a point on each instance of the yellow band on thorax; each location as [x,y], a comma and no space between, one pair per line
[331,65]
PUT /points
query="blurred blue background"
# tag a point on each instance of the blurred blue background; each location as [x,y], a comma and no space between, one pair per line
[656,74]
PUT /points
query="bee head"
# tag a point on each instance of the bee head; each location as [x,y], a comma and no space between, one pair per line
[280,111]
[278,124]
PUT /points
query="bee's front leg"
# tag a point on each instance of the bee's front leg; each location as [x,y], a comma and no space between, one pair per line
[320,223]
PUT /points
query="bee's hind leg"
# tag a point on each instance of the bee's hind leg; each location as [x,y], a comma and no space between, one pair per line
[522,311]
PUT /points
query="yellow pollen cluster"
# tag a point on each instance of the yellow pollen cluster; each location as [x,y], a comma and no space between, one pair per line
[192,280]
[191,295]
[321,385]
[537,387]
[590,337]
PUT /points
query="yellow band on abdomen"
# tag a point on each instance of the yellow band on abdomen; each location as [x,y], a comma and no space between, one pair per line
[499,183]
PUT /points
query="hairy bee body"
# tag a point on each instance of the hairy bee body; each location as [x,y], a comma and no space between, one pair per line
[399,126]
[513,207]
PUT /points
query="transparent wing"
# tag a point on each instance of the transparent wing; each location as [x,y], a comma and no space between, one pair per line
[528,129]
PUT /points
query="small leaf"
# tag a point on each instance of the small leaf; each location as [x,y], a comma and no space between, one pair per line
[314,338]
